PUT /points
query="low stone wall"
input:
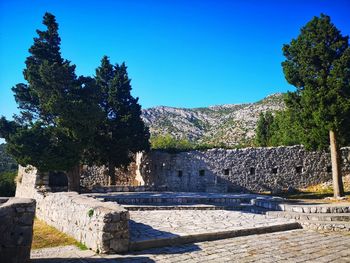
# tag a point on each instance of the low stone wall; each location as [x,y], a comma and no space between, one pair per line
[249,169]
[16,228]
[101,226]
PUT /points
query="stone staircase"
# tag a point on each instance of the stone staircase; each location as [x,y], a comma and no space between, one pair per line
[324,216]
[159,219]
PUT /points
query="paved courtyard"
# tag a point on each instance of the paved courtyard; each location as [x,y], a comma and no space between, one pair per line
[160,224]
[288,246]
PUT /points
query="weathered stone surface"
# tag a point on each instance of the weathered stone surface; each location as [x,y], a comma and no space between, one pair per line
[16,228]
[92,222]
[288,246]
[217,170]
[251,169]
[95,176]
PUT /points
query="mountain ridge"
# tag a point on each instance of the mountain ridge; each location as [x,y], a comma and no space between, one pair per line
[227,124]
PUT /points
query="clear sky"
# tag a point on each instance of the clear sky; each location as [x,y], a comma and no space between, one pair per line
[183,53]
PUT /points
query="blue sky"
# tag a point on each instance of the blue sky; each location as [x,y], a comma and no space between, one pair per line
[179,53]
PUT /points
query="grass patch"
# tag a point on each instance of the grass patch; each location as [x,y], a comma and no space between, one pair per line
[47,236]
[305,195]
[318,192]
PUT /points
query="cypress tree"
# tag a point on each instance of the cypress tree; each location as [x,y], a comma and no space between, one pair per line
[122,132]
[263,130]
[57,110]
[318,65]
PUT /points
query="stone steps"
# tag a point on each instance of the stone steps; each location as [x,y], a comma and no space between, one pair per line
[325,225]
[324,208]
[146,207]
[201,237]
[239,207]
[326,217]
[178,200]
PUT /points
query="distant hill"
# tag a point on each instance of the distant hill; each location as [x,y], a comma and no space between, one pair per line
[231,124]
[7,163]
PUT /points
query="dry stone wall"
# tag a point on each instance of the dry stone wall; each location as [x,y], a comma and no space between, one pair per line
[101,226]
[95,176]
[249,169]
[16,228]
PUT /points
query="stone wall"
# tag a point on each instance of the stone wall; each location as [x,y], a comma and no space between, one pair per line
[249,169]
[96,176]
[101,226]
[16,228]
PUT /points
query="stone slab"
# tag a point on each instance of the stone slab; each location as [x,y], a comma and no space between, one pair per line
[288,246]
[167,227]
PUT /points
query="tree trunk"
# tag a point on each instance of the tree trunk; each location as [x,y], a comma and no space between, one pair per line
[111,172]
[338,187]
[73,176]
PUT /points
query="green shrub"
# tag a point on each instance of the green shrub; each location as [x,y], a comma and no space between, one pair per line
[7,183]
[167,142]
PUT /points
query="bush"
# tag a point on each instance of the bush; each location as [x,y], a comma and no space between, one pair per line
[7,183]
[167,142]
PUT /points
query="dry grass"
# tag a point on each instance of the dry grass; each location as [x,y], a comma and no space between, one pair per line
[48,236]
[321,191]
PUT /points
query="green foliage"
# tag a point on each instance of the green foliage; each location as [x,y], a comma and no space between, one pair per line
[81,246]
[58,113]
[318,65]
[168,142]
[90,212]
[65,119]
[7,183]
[285,130]
[121,131]
[263,130]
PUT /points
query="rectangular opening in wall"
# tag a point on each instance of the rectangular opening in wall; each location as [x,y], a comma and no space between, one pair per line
[274,170]
[252,170]
[329,168]
[201,172]
[299,169]
[179,173]
[226,171]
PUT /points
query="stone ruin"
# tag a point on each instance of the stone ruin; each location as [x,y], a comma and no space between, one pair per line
[272,169]
[103,226]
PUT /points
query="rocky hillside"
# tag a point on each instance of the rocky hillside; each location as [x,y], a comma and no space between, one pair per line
[231,124]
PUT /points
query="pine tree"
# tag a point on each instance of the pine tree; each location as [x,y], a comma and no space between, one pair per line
[122,132]
[318,65]
[58,110]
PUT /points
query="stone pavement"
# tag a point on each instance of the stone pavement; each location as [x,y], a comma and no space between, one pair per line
[205,224]
[288,246]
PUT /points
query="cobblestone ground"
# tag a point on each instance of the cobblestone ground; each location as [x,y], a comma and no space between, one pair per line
[168,223]
[289,246]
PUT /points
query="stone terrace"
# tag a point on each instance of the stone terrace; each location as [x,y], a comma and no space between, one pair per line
[158,219]
[289,246]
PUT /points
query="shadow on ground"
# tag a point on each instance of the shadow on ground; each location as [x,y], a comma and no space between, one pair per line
[92,260]
[126,257]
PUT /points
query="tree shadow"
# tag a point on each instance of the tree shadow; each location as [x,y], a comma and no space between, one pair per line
[111,259]
[144,237]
